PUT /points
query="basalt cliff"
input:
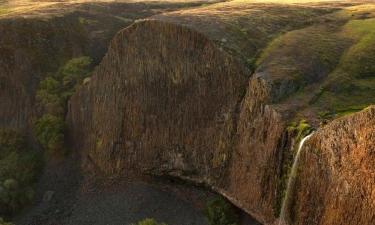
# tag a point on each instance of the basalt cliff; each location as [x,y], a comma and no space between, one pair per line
[210,95]
[218,95]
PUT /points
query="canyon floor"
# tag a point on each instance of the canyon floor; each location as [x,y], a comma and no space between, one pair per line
[65,197]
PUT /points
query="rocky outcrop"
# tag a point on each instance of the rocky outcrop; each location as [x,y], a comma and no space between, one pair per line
[29,49]
[34,42]
[174,96]
[336,173]
[177,95]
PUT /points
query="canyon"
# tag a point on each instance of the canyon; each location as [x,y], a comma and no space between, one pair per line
[218,95]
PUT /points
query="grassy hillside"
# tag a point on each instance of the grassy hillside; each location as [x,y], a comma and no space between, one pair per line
[326,70]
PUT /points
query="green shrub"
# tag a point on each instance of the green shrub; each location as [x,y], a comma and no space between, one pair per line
[73,73]
[52,95]
[55,90]
[301,129]
[10,141]
[49,96]
[49,131]
[2,222]
[148,221]
[19,168]
[221,212]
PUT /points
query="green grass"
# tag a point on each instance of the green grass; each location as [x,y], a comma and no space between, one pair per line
[351,86]
[300,58]
[329,68]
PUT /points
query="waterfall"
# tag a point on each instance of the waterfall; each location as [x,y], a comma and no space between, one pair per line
[292,179]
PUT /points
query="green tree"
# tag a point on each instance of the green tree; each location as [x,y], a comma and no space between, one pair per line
[55,90]
[221,212]
[49,130]
[49,96]
[73,72]
[53,93]
[19,167]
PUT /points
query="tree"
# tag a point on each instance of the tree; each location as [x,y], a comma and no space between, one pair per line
[220,212]
[49,131]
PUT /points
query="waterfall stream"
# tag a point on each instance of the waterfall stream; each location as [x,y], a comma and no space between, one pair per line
[283,220]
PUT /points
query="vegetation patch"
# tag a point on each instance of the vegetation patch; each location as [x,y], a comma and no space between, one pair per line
[351,87]
[148,221]
[53,94]
[4,10]
[3,222]
[19,169]
[291,67]
[49,131]
[220,212]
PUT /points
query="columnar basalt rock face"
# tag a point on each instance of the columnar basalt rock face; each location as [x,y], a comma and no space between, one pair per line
[254,169]
[180,117]
[36,41]
[29,48]
[336,179]
[161,115]
[175,96]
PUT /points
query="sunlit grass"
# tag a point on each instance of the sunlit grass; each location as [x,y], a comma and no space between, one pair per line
[3,10]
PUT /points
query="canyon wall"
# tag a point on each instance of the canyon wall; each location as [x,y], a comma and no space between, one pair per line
[336,173]
[29,49]
[174,96]
[208,94]
[35,42]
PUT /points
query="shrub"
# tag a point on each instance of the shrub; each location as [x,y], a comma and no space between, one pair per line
[49,96]
[148,221]
[10,141]
[2,222]
[19,167]
[55,89]
[53,94]
[301,129]
[49,131]
[74,71]
[221,212]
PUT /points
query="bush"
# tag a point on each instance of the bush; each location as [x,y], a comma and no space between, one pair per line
[10,141]
[49,131]
[52,95]
[2,222]
[19,167]
[221,212]
[301,129]
[55,89]
[148,221]
[49,96]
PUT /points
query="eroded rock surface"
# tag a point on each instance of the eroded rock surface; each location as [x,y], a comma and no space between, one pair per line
[39,37]
[173,96]
[176,96]
[337,174]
